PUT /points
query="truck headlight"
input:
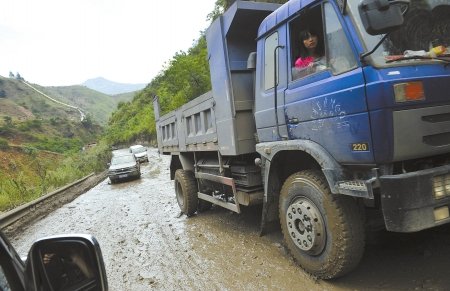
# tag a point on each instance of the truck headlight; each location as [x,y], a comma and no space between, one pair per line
[441,186]
[441,213]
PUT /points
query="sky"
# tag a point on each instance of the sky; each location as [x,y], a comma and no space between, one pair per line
[66,42]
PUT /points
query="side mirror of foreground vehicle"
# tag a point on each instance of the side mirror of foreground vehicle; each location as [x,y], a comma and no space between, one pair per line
[73,262]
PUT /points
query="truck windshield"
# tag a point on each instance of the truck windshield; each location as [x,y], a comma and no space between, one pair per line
[426,26]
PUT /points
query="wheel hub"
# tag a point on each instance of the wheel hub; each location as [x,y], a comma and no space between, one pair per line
[305,226]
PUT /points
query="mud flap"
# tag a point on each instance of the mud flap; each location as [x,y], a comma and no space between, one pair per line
[269,217]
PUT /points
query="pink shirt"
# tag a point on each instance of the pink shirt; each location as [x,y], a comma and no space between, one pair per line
[303,62]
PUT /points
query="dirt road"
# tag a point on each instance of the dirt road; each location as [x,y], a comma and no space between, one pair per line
[147,245]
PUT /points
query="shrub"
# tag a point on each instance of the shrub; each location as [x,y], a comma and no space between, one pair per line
[16,190]
[30,150]
[59,145]
[3,144]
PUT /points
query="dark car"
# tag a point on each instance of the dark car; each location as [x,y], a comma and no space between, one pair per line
[72,262]
[124,167]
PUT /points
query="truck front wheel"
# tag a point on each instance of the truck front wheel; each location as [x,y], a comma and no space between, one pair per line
[323,232]
[186,191]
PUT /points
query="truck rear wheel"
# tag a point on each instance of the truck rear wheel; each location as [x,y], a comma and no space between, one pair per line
[323,232]
[186,191]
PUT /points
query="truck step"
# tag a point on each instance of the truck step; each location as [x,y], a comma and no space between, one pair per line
[356,188]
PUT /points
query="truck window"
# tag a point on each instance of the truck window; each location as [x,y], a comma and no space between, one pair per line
[427,25]
[269,47]
[339,54]
[307,43]
[332,51]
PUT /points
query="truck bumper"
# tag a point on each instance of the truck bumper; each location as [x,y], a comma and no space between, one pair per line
[416,200]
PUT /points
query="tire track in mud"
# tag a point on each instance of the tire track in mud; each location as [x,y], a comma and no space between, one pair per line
[185,270]
[181,268]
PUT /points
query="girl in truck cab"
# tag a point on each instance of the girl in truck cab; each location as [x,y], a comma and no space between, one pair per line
[311,57]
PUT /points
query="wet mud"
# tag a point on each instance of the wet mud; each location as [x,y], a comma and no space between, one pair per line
[148,245]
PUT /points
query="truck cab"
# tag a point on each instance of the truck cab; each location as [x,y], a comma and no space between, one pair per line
[377,112]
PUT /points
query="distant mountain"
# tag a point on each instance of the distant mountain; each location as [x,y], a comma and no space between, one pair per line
[111,88]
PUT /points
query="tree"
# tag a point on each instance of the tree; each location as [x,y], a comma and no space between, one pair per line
[11,75]
[19,77]
[87,121]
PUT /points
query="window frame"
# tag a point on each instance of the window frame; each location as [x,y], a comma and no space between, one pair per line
[270,43]
[297,22]
[304,13]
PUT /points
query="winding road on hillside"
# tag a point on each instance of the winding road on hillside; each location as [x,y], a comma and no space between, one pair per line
[82,115]
[148,245]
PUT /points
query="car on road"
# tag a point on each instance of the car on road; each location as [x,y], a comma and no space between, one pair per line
[69,262]
[124,166]
[140,152]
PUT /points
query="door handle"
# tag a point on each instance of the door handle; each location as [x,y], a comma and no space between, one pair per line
[293,120]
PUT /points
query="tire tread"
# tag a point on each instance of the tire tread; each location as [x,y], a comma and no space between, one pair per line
[189,187]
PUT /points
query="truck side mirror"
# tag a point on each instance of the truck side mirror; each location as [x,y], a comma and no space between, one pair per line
[66,263]
[381,16]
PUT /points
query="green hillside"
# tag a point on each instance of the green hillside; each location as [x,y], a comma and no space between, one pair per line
[41,141]
[96,104]
[124,97]
[21,102]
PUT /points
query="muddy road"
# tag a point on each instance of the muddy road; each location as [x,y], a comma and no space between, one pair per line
[147,244]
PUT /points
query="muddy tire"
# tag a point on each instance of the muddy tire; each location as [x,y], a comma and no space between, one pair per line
[186,191]
[323,232]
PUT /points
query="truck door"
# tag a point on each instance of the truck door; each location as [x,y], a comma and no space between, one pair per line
[325,102]
[271,124]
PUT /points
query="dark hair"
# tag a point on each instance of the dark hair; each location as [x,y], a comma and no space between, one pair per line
[305,34]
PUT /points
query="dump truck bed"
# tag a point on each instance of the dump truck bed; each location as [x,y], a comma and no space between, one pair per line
[189,128]
[221,120]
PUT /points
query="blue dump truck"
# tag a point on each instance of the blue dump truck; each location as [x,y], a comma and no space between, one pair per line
[359,138]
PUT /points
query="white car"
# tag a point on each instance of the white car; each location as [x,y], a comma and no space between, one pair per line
[140,152]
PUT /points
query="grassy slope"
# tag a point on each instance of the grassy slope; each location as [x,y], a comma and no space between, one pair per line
[124,97]
[21,102]
[41,141]
[98,105]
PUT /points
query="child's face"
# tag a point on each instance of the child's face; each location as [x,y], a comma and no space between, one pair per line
[311,42]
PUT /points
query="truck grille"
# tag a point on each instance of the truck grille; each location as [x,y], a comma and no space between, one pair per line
[428,129]
[441,186]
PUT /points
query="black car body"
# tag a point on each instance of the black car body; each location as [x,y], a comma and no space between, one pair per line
[124,167]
